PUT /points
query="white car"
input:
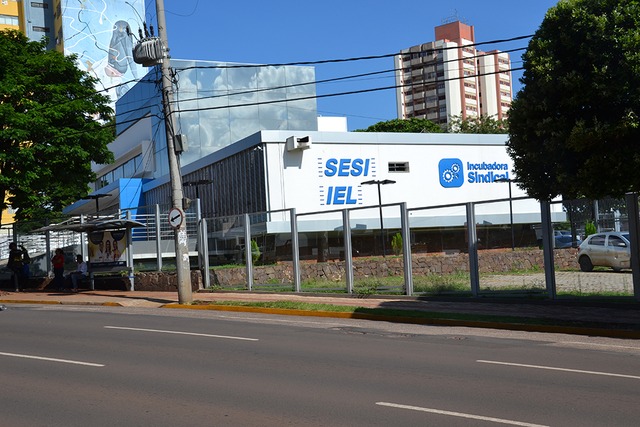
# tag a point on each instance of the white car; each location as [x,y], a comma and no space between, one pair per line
[611,249]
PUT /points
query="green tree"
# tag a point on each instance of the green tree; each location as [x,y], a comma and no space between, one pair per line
[412,125]
[51,128]
[479,124]
[396,243]
[574,127]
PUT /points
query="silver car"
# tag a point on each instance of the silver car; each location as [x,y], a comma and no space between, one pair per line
[612,249]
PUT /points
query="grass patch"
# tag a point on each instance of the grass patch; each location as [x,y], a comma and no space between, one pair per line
[414,314]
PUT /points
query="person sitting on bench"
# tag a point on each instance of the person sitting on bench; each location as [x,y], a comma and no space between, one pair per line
[79,274]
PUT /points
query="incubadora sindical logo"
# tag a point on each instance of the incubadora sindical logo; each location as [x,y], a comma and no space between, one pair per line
[451,173]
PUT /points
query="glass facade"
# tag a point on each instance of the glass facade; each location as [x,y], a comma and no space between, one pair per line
[217,104]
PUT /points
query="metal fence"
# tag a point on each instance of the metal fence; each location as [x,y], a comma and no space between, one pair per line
[393,230]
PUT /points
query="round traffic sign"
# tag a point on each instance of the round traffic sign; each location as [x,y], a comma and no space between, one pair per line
[176,216]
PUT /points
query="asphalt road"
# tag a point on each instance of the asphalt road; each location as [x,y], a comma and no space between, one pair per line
[78,366]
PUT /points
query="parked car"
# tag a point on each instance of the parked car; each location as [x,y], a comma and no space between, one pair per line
[564,239]
[611,249]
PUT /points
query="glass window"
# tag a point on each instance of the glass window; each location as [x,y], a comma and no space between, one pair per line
[597,240]
[616,241]
[398,166]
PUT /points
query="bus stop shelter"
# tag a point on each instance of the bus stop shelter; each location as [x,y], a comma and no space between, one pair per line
[102,233]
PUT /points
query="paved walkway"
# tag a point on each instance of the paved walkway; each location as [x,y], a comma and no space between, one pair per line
[612,317]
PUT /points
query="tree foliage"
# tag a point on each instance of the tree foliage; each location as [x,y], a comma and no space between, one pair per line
[574,127]
[50,128]
[479,124]
[412,125]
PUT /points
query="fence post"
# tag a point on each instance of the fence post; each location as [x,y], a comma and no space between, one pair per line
[547,248]
[202,230]
[472,237]
[199,239]
[83,241]
[130,253]
[634,234]
[348,252]
[406,249]
[295,250]
[247,251]
[158,240]
[48,248]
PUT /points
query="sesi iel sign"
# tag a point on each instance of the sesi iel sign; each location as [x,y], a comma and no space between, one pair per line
[341,178]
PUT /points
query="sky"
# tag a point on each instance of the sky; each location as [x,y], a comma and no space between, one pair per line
[291,31]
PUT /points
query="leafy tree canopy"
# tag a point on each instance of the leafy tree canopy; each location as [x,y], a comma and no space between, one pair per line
[50,128]
[412,125]
[574,127]
[479,124]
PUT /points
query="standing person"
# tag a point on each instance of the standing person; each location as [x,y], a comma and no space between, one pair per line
[26,260]
[58,269]
[16,263]
[79,274]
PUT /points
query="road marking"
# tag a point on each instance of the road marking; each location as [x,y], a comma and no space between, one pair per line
[181,333]
[51,359]
[551,368]
[459,414]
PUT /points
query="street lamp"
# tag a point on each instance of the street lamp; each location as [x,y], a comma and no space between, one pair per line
[379,183]
[513,238]
[197,184]
[96,197]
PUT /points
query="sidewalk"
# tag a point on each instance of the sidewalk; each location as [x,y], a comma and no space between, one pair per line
[591,318]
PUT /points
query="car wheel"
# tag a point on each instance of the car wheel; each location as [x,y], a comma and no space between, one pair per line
[585,264]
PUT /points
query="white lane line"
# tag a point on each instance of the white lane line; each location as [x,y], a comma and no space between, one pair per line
[459,414]
[551,368]
[181,333]
[51,359]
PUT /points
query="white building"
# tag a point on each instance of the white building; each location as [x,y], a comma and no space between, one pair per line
[318,172]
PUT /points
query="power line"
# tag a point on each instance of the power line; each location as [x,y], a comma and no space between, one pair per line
[359,58]
[329,95]
[353,92]
[335,79]
[143,80]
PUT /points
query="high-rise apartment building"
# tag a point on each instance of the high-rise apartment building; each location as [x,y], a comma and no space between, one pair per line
[9,13]
[450,77]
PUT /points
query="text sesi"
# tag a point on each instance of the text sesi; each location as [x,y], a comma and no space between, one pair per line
[347,167]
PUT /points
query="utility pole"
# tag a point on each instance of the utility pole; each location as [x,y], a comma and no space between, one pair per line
[183,267]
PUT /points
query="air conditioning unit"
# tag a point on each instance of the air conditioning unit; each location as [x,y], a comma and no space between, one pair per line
[298,143]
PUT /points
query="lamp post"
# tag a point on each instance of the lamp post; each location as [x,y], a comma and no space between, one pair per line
[197,184]
[380,183]
[513,238]
[96,197]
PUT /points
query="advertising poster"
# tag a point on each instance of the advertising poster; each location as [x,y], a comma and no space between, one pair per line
[107,249]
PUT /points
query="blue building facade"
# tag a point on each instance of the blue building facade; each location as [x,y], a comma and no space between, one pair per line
[215,105]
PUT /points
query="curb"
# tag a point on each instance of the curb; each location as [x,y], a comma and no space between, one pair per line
[570,330]
[106,304]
